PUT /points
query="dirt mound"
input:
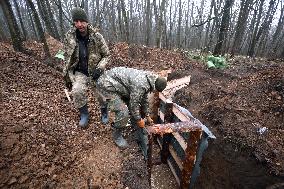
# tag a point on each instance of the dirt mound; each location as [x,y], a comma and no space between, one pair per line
[41,146]
[238,104]
[142,57]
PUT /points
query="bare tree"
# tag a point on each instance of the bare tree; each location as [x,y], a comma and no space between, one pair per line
[178,41]
[125,20]
[148,22]
[52,20]
[241,25]
[224,27]
[40,32]
[159,22]
[20,19]
[12,24]
[276,39]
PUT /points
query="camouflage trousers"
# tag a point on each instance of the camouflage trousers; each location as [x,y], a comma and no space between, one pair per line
[119,108]
[80,85]
[116,105]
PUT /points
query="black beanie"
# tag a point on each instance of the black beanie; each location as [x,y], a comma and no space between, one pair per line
[79,14]
[160,84]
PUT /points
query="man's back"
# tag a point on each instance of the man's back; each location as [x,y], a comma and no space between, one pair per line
[125,81]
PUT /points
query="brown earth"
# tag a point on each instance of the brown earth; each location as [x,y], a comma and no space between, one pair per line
[41,146]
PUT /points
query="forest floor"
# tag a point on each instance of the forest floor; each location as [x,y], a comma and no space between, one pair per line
[41,146]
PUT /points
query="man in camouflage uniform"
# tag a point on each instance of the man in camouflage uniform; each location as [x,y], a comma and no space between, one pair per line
[128,86]
[86,56]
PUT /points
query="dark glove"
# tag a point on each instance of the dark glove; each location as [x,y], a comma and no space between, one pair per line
[68,82]
[97,73]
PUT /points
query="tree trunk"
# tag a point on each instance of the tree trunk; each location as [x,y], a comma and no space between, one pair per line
[20,19]
[257,14]
[32,23]
[52,20]
[98,16]
[160,24]
[263,28]
[276,39]
[178,43]
[125,19]
[12,24]
[208,26]
[224,27]
[200,28]
[61,25]
[120,22]
[148,22]
[241,25]
[44,15]
[40,32]
[113,21]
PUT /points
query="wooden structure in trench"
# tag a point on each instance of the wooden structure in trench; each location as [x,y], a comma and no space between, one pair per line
[181,137]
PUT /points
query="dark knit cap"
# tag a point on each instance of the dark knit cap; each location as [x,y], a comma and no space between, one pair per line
[160,84]
[79,14]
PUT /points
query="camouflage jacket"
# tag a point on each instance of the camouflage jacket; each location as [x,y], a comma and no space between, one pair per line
[97,48]
[131,84]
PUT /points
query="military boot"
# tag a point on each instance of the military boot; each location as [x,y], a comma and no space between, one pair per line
[141,137]
[84,116]
[104,115]
[118,138]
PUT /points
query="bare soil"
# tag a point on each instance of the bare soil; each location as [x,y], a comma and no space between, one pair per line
[41,146]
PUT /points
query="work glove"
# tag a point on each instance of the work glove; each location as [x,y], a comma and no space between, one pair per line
[97,73]
[149,120]
[68,82]
[140,123]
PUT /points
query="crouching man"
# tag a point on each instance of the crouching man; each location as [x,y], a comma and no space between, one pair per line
[128,90]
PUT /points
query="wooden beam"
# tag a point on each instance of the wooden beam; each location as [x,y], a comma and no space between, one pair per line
[177,82]
[173,171]
[190,158]
[180,140]
[167,136]
[175,156]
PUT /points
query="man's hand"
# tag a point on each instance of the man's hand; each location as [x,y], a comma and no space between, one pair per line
[140,123]
[97,73]
[68,82]
[149,120]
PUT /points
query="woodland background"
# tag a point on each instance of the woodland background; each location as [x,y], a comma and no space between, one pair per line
[246,27]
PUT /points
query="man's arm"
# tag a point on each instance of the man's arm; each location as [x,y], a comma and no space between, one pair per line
[135,103]
[145,105]
[104,51]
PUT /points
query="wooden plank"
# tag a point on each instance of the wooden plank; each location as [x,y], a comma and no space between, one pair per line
[162,116]
[164,99]
[190,158]
[177,82]
[184,126]
[175,156]
[168,117]
[67,95]
[173,171]
[154,103]
[176,111]
[181,116]
[180,140]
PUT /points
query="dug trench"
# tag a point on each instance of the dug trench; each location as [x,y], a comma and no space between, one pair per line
[41,146]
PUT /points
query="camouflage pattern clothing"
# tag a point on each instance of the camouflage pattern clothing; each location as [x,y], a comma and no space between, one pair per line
[127,86]
[98,56]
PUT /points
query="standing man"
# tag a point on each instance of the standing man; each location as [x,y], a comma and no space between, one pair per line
[86,56]
[128,86]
